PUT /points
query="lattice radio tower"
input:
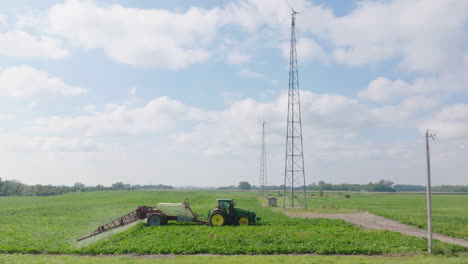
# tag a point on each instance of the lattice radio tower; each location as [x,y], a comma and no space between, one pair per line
[263,164]
[294,176]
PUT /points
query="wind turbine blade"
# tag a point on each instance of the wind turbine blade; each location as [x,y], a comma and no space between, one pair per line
[290,7]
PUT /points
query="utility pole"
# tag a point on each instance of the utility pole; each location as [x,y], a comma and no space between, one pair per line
[263,164]
[428,192]
[294,176]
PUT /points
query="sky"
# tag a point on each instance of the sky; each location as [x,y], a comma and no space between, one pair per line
[175,92]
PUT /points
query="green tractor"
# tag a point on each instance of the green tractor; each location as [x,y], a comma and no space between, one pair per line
[227,214]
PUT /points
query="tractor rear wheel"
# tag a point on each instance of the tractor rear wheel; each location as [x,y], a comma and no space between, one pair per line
[217,218]
[243,220]
[155,220]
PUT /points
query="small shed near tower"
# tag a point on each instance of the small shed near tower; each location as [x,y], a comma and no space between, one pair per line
[272,202]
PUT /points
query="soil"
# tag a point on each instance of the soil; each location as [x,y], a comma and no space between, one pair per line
[371,221]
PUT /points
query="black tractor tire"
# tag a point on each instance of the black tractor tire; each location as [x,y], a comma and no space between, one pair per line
[156,220]
[243,220]
[217,218]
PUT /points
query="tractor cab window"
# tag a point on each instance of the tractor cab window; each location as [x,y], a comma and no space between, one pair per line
[225,204]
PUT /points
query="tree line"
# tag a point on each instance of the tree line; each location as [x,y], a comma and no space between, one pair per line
[380,186]
[16,188]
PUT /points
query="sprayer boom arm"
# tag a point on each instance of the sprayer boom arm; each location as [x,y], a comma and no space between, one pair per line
[140,213]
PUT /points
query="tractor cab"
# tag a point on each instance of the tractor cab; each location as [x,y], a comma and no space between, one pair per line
[227,207]
[226,204]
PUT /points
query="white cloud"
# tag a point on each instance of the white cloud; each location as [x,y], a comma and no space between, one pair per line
[230,97]
[427,35]
[333,128]
[236,57]
[32,20]
[407,112]
[6,117]
[422,35]
[334,111]
[21,44]
[246,73]
[16,142]
[253,13]
[232,131]
[325,117]
[25,81]
[3,21]
[384,90]
[89,108]
[307,49]
[156,115]
[147,38]
[159,38]
[319,111]
[451,122]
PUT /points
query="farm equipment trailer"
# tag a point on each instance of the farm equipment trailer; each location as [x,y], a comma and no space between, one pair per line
[225,214]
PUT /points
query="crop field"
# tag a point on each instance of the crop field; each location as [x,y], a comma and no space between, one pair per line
[450,211]
[51,225]
[258,259]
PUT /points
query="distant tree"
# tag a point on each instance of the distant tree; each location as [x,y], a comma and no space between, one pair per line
[230,187]
[335,187]
[409,188]
[243,185]
[118,186]
[151,187]
[78,186]
[450,188]
[381,186]
[325,186]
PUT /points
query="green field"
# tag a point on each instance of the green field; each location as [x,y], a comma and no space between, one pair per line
[51,225]
[450,211]
[284,259]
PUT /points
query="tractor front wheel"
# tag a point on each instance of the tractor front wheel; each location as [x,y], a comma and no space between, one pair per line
[243,220]
[217,218]
[155,220]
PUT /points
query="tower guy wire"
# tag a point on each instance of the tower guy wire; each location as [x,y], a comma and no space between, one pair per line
[294,175]
[263,165]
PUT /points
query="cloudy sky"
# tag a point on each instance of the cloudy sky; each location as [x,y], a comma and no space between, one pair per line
[175,92]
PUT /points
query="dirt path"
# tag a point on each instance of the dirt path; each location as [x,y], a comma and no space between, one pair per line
[370,221]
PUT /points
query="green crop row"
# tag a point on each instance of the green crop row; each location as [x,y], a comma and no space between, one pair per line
[258,259]
[320,236]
